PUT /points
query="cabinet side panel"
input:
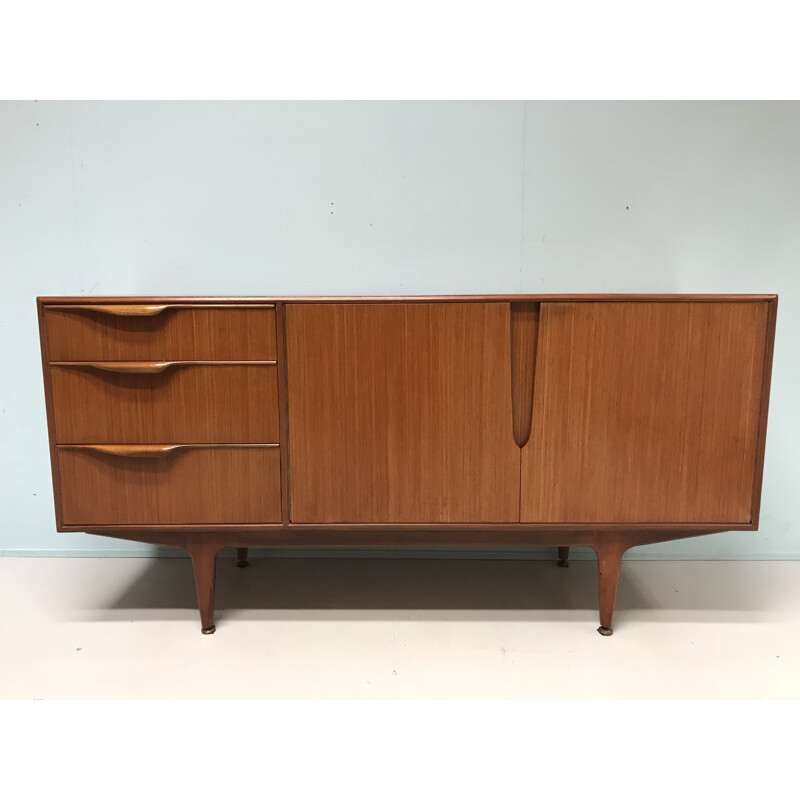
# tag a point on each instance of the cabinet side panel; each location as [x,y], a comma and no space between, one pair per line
[645,412]
[772,312]
[401,413]
[48,399]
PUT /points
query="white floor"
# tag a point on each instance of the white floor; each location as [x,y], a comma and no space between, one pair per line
[397,628]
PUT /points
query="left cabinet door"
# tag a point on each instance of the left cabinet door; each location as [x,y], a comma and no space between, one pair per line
[401,413]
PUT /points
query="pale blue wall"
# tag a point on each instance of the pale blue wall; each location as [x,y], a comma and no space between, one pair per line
[393,198]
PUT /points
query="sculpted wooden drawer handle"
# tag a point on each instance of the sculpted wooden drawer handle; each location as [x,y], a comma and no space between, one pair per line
[121,311]
[129,450]
[139,310]
[155,450]
[138,367]
[151,367]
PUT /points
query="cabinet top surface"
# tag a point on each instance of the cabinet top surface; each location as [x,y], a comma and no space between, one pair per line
[474,298]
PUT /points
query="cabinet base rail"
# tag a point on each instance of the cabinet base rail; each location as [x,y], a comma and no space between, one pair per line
[203,547]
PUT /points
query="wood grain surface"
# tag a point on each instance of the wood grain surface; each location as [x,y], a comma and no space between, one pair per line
[645,412]
[196,403]
[202,485]
[401,413]
[228,333]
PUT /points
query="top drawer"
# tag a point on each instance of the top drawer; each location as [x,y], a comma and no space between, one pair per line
[178,332]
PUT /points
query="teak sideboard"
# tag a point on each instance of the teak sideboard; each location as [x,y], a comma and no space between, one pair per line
[600,420]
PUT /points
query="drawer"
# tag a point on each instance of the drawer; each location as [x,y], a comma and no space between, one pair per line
[163,485]
[140,403]
[118,332]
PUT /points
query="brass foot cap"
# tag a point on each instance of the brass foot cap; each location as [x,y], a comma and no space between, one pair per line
[207,631]
[562,562]
[605,631]
[242,564]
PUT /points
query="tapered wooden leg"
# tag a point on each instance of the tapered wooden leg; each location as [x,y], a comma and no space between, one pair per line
[609,558]
[563,557]
[241,557]
[204,562]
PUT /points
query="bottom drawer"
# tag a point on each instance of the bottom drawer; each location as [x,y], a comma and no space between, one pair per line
[169,484]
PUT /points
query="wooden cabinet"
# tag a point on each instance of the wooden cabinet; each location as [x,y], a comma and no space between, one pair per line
[606,421]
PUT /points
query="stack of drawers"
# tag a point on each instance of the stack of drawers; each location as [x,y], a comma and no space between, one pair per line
[165,415]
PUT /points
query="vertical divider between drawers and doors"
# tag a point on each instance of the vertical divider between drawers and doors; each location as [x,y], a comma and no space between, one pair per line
[283,408]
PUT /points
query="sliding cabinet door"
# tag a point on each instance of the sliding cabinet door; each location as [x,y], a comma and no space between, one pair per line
[401,413]
[645,412]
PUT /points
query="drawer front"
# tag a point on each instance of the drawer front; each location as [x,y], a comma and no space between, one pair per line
[195,403]
[188,485]
[180,333]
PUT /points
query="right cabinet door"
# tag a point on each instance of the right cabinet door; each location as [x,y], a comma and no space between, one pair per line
[645,412]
